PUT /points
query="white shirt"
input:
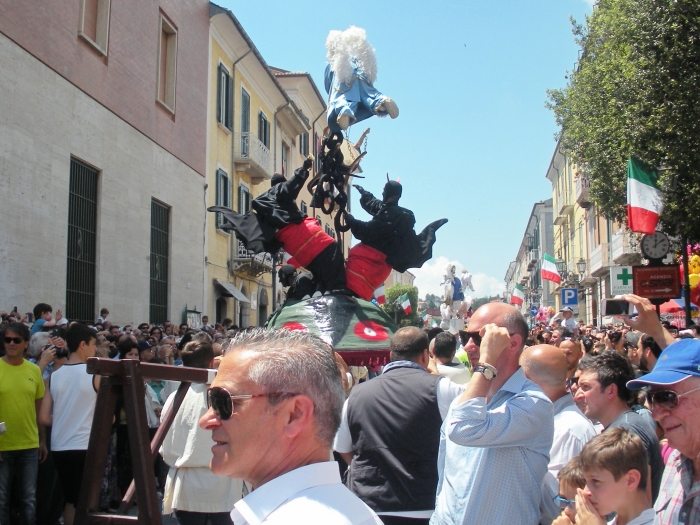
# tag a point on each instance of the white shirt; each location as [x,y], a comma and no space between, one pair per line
[446,392]
[455,372]
[190,485]
[645,518]
[572,430]
[307,495]
[74,399]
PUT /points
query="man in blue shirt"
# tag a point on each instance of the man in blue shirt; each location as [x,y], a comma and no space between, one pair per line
[495,440]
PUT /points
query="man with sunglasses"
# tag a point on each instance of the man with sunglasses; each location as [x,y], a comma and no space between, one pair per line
[496,436]
[275,406]
[674,398]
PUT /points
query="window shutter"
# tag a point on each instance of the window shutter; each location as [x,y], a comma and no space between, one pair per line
[219,196]
[245,111]
[220,91]
[229,102]
[261,127]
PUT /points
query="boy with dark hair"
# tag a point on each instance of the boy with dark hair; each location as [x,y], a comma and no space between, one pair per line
[68,407]
[42,318]
[603,396]
[443,349]
[615,467]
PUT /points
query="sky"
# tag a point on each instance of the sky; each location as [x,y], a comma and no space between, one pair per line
[473,140]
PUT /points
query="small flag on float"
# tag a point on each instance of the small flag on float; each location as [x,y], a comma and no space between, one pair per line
[549,269]
[406,304]
[518,295]
[379,295]
[644,199]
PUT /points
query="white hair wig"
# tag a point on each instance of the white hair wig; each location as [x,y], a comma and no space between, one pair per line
[342,45]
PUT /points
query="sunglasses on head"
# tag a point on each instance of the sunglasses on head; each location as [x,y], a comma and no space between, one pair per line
[15,340]
[221,400]
[667,399]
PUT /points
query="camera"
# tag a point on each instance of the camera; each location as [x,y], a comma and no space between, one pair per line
[62,353]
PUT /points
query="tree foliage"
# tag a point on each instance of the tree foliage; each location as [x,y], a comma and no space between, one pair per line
[635,92]
[432,301]
[393,304]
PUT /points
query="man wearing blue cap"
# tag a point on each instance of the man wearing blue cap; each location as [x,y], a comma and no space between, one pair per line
[674,398]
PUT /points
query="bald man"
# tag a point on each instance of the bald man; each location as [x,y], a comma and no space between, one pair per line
[496,436]
[573,352]
[547,366]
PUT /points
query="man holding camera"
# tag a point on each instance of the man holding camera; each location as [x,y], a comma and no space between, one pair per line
[68,407]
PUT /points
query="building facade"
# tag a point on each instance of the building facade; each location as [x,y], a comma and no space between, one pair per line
[102,161]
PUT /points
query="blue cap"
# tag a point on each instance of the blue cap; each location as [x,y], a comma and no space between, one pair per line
[678,362]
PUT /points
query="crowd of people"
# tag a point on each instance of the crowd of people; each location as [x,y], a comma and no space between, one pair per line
[503,423]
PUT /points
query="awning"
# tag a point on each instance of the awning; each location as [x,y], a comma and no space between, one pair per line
[230,290]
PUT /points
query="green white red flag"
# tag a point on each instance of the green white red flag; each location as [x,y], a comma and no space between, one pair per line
[518,295]
[549,269]
[426,317]
[379,295]
[406,304]
[644,199]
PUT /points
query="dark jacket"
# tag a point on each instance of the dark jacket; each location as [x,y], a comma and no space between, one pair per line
[277,207]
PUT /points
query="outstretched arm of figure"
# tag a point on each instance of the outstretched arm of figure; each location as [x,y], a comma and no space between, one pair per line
[291,188]
[368,201]
[366,231]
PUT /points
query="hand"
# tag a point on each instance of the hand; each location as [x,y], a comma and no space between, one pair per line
[494,340]
[432,366]
[360,189]
[647,321]
[563,519]
[308,162]
[47,356]
[43,451]
[58,342]
[585,512]
[59,315]
[349,218]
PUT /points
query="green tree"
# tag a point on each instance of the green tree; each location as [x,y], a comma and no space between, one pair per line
[432,301]
[634,93]
[393,305]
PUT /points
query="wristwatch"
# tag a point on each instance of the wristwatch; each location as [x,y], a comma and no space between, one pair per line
[489,371]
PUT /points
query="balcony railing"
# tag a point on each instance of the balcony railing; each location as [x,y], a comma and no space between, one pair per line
[249,262]
[601,259]
[253,154]
[533,258]
[582,191]
[564,204]
[625,248]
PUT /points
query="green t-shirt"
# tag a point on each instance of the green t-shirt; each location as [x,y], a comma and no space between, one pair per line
[20,387]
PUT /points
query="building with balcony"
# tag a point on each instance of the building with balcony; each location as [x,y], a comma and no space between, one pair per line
[525,270]
[103,156]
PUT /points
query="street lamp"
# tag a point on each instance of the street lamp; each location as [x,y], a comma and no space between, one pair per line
[561,267]
[581,267]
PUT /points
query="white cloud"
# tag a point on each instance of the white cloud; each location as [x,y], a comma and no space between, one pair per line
[429,277]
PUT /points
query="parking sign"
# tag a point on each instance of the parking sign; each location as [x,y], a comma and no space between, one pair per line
[569,296]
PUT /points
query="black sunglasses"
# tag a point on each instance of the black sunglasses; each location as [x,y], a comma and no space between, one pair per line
[221,400]
[15,340]
[474,336]
[667,399]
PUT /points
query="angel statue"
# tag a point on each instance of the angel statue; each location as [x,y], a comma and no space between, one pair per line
[452,303]
[349,80]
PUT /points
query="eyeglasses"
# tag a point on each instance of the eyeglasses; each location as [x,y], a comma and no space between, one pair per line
[15,340]
[563,502]
[474,336]
[667,399]
[221,400]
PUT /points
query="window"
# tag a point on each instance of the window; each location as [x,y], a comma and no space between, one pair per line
[94,23]
[303,208]
[243,199]
[160,249]
[304,144]
[317,151]
[264,129]
[224,98]
[245,123]
[285,159]
[82,242]
[223,194]
[167,62]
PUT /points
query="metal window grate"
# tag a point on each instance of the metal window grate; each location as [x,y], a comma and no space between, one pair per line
[82,245]
[160,247]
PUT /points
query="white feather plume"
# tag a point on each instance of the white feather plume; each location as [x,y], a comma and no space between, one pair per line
[352,42]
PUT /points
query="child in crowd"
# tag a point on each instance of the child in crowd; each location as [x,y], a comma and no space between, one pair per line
[615,467]
[43,320]
[570,480]
[103,316]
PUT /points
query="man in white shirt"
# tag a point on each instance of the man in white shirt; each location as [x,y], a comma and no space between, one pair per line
[443,349]
[566,315]
[546,366]
[275,406]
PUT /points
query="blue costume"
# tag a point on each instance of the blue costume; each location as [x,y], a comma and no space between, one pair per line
[458,294]
[358,99]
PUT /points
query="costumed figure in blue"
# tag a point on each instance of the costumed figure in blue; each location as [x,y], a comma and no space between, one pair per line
[349,80]
[454,296]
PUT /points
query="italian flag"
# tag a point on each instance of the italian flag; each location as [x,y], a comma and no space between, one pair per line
[406,304]
[379,295]
[425,317]
[518,295]
[644,199]
[549,269]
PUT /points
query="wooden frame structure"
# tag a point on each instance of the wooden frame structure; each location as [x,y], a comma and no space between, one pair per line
[125,378]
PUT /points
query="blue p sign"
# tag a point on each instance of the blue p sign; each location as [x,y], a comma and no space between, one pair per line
[569,297]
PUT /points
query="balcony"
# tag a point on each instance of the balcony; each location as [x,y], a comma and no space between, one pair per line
[533,257]
[582,192]
[625,248]
[252,156]
[601,259]
[524,278]
[253,264]
[564,206]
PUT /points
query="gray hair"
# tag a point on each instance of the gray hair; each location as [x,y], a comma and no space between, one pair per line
[38,341]
[515,323]
[299,363]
